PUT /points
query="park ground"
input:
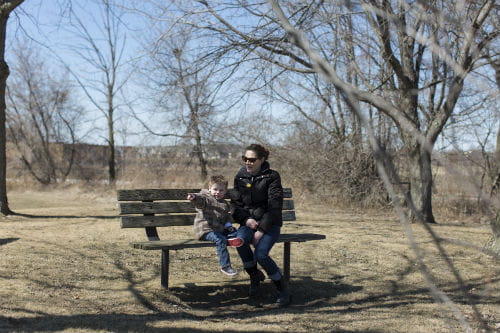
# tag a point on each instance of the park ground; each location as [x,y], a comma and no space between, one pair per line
[66,266]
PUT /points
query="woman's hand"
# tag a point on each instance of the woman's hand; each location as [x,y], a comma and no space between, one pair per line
[252,223]
[191,196]
[256,237]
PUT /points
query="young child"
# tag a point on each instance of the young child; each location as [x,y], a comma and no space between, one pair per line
[212,221]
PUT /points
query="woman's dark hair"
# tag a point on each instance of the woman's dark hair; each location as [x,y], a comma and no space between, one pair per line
[261,151]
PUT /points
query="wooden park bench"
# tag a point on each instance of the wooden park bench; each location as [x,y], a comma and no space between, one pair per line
[152,208]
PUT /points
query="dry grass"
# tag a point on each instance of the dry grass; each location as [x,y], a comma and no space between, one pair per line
[66,267]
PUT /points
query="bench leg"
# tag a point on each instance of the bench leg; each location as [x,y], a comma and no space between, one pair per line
[164,268]
[286,261]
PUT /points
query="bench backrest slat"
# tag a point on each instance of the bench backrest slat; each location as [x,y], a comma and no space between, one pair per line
[168,194]
[140,221]
[165,207]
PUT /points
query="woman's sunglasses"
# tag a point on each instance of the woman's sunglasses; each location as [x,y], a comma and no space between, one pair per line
[249,159]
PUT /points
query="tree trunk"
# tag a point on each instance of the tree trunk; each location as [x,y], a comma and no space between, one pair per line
[494,244]
[421,184]
[5,9]
[111,145]
[4,74]
[199,153]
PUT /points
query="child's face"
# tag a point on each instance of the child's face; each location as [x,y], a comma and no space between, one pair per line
[218,191]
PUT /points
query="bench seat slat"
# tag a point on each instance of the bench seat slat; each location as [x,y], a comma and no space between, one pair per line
[177,244]
[170,207]
[140,221]
[168,194]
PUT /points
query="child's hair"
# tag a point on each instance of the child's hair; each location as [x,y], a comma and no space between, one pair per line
[218,179]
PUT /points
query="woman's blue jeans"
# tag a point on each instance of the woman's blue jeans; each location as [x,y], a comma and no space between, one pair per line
[220,240]
[261,252]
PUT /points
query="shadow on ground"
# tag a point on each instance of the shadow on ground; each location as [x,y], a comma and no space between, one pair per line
[4,241]
[210,303]
[232,298]
[113,322]
[195,303]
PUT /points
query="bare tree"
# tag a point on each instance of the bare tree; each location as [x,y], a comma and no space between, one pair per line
[352,96]
[103,55]
[189,88]
[42,117]
[425,50]
[6,7]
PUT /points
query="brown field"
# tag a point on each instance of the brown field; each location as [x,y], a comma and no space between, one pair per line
[66,266]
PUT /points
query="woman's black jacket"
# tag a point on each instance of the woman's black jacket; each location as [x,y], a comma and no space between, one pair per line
[258,196]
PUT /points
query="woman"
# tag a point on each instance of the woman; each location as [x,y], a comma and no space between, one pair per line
[257,200]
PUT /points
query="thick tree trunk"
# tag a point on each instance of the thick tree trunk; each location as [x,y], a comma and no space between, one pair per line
[494,243]
[6,8]
[421,184]
[4,73]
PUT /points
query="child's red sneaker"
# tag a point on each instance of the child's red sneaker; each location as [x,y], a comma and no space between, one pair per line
[235,242]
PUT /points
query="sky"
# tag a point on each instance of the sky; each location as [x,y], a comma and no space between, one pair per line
[44,24]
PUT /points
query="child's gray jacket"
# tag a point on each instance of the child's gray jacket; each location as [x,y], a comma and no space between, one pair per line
[211,214]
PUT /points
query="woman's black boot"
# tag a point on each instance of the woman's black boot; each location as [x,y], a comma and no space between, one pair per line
[283,292]
[256,276]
